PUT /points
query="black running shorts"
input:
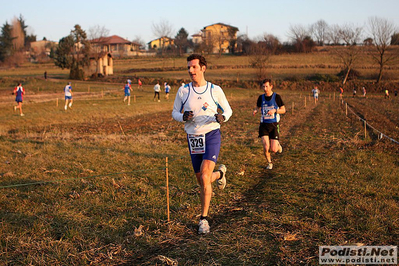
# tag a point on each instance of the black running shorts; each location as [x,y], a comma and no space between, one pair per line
[269,129]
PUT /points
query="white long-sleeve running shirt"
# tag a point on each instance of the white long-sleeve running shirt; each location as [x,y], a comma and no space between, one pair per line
[204,101]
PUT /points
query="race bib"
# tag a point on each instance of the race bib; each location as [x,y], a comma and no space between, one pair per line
[267,109]
[196,143]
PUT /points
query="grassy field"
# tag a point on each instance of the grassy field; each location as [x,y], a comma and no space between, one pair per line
[87,186]
[227,67]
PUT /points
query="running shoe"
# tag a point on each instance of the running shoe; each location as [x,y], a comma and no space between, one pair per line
[204,227]
[280,149]
[15,108]
[22,115]
[269,166]
[222,180]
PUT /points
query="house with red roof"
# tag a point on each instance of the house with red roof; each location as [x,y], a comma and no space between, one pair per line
[116,46]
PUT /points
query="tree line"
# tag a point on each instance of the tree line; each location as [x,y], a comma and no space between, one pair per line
[376,40]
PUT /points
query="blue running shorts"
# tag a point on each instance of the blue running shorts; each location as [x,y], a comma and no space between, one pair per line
[212,149]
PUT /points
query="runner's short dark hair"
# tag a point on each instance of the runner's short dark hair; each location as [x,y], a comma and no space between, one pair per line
[202,60]
[266,80]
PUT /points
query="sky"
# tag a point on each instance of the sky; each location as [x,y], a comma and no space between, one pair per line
[54,19]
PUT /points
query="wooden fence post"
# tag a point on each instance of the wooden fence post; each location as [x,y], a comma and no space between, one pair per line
[167,190]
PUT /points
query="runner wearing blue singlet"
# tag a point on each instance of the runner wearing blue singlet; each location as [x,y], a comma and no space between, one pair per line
[196,105]
[19,92]
[167,90]
[127,89]
[271,105]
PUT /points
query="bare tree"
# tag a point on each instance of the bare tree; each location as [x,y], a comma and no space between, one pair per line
[17,34]
[273,44]
[232,39]
[260,57]
[382,31]
[219,39]
[162,29]
[297,32]
[97,32]
[350,53]
[319,31]
[332,35]
[18,41]
[97,36]
[300,37]
[139,40]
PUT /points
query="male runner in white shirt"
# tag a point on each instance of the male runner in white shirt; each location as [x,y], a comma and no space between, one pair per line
[196,104]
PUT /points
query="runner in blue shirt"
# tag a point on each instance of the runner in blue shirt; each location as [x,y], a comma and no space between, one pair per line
[167,90]
[127,89]
[19,92]
[271,106]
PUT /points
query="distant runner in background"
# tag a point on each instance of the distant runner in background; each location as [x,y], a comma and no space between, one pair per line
[167,90]
[271,106]
[386,93]
[315,93]
[157,89]
[364,91]
[127,89]
[68,96]
[139,84]
[19,92]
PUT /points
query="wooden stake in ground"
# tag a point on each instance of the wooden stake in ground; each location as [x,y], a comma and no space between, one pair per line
[293,104]
[346,109]
[57,102]
[167,190]
[120,126]
[365,129]
[134,98]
